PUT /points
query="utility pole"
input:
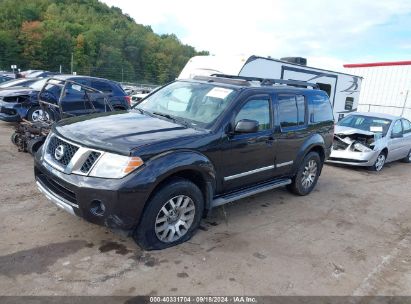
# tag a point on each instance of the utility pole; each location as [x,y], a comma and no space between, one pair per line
[72,63]
[60,68]
[122,74]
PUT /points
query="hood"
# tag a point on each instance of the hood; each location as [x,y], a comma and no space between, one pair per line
[17,91]
[121,131]
[340,130]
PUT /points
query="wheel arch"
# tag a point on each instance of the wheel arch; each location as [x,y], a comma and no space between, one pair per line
[314,143]
[188,165]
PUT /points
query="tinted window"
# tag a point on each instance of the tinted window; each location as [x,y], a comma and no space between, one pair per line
[301,109]
[101,86]
[406,124]
[291,110]
[287,111]
[256,109]
[320,109]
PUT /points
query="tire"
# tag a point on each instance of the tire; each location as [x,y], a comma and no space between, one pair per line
[152,236]
[379,162]
[14,138]
[407,159]
[307,175]
[34,145]
[34,114]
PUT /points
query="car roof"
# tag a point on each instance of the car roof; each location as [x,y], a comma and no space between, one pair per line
[378,115]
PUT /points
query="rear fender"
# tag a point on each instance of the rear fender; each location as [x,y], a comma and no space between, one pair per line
[315,141]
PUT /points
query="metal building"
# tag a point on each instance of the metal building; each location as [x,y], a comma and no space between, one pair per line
[385,87]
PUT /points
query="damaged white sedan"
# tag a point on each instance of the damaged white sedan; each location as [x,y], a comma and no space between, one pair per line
[371,140]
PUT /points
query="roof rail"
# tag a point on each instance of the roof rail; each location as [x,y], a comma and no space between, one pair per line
[269,81]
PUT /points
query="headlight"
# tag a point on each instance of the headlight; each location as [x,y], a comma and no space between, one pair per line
[361,147]
[115,166]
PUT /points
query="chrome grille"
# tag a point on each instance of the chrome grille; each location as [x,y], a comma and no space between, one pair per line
[91,159]
[69,150]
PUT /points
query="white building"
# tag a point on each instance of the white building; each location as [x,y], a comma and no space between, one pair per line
[386,87]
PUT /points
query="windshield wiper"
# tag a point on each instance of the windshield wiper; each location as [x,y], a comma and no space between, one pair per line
[174,119]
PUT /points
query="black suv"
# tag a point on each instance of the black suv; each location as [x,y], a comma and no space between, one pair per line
[158,168]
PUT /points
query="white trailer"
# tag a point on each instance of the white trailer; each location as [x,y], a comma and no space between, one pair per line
[386,87]
[343,89]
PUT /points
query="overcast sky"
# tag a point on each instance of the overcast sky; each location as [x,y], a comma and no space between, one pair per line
[327,33]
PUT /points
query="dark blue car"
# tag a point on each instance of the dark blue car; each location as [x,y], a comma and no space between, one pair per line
[22,103]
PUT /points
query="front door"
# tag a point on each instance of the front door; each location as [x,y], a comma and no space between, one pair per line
[249,158]
[396,147]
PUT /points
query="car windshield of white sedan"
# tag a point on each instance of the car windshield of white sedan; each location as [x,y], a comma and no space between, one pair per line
[194,103]
[375,125]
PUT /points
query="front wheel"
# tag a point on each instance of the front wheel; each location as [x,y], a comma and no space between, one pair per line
[379,162]
[307,175]
[171,217]
[38,114]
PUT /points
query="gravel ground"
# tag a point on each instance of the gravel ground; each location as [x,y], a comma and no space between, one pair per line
[351,236]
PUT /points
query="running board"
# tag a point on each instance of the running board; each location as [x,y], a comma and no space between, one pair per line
[249,191]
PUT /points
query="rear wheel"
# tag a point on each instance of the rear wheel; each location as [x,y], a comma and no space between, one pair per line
[379,162]
[307,175]
[172,215]
[407,159]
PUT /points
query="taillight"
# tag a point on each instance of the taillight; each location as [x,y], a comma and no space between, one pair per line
[128,99]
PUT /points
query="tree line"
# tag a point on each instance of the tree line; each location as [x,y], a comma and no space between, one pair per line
[88,37]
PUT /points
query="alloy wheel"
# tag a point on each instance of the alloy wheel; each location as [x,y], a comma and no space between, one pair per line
[309,174]
[174,219]
[380,162]
[37,115]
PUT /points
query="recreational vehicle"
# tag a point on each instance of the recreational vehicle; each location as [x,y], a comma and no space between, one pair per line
[343,89]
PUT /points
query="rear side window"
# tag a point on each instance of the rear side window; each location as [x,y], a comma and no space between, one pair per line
[291,110]
[102,86]
[320,109]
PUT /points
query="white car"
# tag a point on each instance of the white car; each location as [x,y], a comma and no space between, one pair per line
[371,140]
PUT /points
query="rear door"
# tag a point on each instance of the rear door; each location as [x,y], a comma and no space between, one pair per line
[75,100]
[292,130]
[249,158]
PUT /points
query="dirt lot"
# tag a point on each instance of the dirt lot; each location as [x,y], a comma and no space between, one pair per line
[351,236]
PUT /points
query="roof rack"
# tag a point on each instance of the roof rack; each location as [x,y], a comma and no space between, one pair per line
[268,81]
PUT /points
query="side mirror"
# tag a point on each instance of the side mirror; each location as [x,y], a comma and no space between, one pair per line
[397,135]
[246,126]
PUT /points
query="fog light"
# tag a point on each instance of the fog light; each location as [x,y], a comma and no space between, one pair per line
[97,208]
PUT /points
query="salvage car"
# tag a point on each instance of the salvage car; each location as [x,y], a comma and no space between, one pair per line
[158,168]
[22,103]
[371,140]
[18,83]
[4,78]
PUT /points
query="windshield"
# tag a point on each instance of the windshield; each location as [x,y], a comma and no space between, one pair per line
[38,85]
[375,125]
[195,103]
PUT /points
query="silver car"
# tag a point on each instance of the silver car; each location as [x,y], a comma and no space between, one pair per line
[371,140]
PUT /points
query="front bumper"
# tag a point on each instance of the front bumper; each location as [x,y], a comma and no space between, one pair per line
[353,158]
[10,112]
[123,199]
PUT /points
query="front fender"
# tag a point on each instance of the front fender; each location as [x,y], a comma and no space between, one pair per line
[315,141]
